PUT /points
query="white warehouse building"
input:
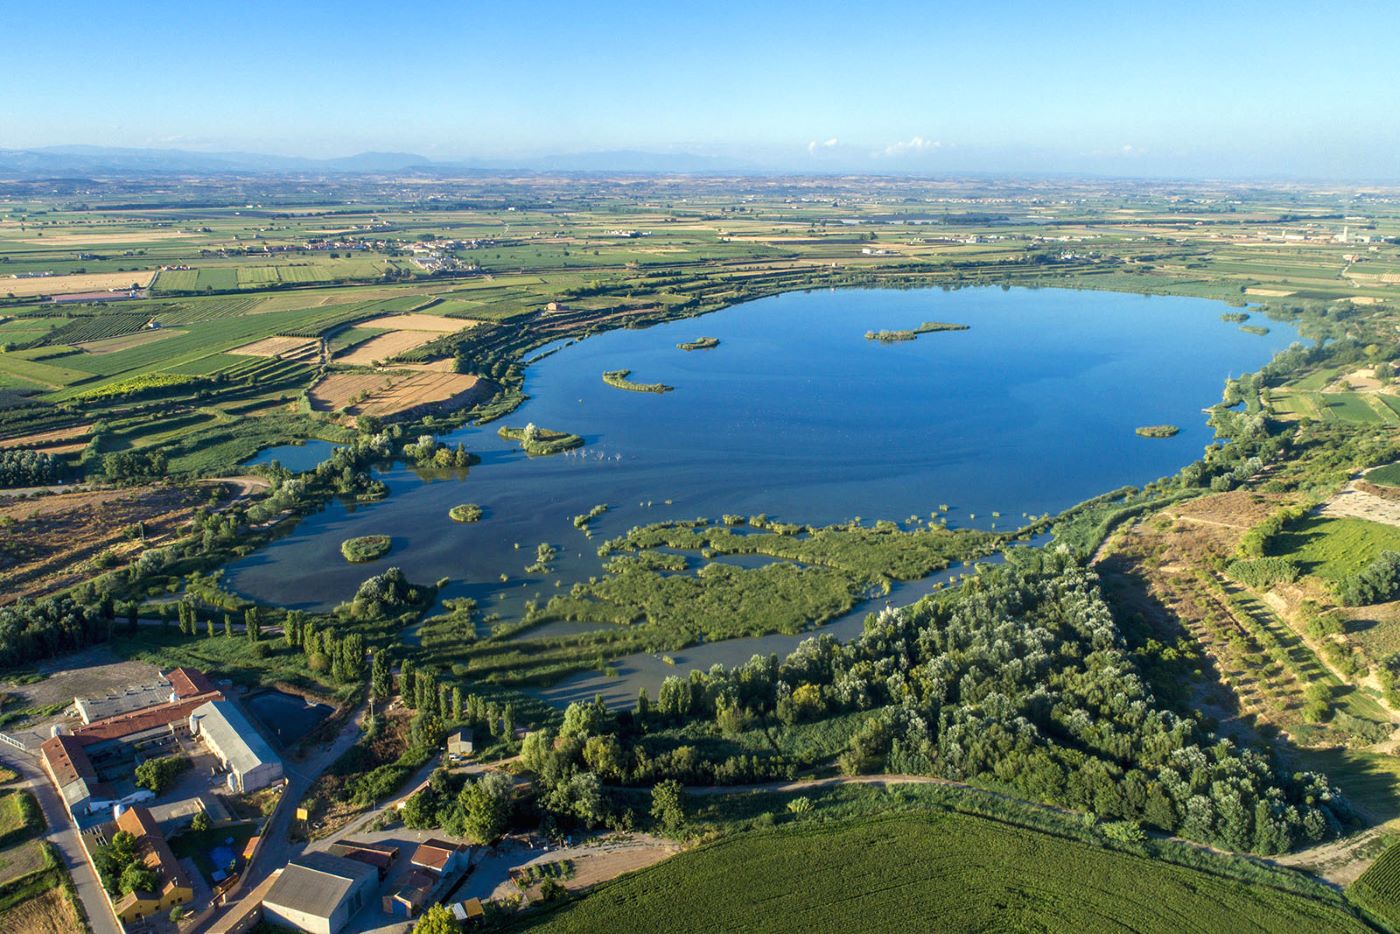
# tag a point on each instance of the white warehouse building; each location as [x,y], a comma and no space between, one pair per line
[250,761]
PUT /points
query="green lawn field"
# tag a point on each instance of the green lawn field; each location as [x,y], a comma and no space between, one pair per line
[1335,548]
[936,872]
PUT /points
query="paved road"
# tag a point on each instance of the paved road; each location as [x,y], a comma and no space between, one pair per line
[277,849]
[64,836]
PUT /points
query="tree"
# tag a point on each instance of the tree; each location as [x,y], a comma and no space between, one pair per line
[485,805]
[436,920]
[668,804]
[406,683]
[200,822]
[252,619]
[381,676]
[157,775]
[136,877]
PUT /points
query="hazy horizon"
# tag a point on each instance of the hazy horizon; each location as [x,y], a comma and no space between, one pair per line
[1197,91]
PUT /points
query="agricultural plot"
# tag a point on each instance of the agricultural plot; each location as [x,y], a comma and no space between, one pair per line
[1378,890]
[75,283]
[280,347]
[1336,548]
[128,341]
[943,871]
[401,332]
[384,395]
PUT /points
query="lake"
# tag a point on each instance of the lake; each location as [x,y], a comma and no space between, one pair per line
[797,415]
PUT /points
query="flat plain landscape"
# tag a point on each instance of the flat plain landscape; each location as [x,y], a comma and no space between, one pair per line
[676,550]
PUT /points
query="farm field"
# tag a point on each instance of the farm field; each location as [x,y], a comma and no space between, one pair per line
[81,282]
[948,872]
[1335,548]
[387,394]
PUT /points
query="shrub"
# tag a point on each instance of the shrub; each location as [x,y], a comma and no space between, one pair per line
[365,548]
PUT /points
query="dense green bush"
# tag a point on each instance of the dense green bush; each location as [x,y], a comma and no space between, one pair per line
[1263,573]
[1378,582]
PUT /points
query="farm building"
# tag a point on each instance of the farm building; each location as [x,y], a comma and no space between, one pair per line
[319,892]
[83,762]
[441,857]
[174,885]
[436,864]
[379,855]
[460,743]
[250,761]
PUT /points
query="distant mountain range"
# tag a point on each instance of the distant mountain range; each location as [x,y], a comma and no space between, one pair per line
[99,160]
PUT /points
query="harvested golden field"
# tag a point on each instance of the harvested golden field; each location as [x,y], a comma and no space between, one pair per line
[127,341]
[119,236]
[438,324]
[403,332]
[78,282]
[49,913]
[421,389]
[382,394]
[50,542]
[49,440]
[336,390]
[280,347]
[1267,293]
[384,347]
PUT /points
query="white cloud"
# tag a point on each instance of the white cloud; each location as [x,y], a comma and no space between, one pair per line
[914,145]
[815,146]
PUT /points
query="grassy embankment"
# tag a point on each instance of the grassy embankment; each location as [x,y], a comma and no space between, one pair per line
[928,327]
[618,380]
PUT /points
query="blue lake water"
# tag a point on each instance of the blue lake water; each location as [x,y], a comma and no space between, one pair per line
[295,457]
[797,415]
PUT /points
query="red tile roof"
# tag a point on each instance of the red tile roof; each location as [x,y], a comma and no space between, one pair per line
[138,721]
[188,682]
[155,851]
[434,854]
[67,760]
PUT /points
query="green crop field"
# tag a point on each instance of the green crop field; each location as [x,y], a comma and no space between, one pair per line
[1335,548]
[943,872]
[1389,475]
[1378,889]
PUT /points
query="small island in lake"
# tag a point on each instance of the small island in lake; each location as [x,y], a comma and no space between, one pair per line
[928,327]
[700,343]
[467,512]
[1235,317]
[1254,329]
[1158,431]
[540,441]
[618,379]
[365,548]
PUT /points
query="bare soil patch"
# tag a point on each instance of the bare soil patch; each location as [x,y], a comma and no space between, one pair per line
[48,543]
[1359,500]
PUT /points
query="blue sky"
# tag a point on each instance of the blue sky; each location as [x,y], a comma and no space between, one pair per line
[1224,88]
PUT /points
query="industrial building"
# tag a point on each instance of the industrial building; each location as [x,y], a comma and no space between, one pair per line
[249,760]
